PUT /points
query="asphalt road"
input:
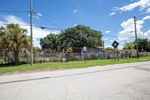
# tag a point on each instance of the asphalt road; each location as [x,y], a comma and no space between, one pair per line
[113,82]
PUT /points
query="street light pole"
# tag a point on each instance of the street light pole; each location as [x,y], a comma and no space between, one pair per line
[136,38]
[31,38]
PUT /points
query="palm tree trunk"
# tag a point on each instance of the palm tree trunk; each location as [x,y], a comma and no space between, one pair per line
[16,55]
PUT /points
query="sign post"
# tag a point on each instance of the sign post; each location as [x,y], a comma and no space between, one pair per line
[84,49]
[117,54]
[114,55]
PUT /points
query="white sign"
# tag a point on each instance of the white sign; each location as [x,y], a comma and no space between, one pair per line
[64,60]
[84,48]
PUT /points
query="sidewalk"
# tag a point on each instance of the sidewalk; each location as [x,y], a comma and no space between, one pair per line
[63,73]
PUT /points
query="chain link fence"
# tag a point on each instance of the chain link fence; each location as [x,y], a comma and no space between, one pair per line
[58,57]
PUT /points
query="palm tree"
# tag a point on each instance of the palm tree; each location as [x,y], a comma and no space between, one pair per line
[14,39]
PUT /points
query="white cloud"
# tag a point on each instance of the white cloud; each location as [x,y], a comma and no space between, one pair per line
[37,32]
[107,31]
[142,4]
[111,40]
[39,14]
[148,10]
[75,24]
[34,17]
[147,17]
[147,34]
[36,43]
[128,27]
[106,46]
[106,39]
[112,13]
[75,10]
[120,47]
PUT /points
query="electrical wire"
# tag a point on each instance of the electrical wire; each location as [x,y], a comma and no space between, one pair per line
[89,8]
[12,7]
[16,11]
[78,23]
[117,36]
[79,20]
[85,10]
[49,21]
[43,27]
[95,6]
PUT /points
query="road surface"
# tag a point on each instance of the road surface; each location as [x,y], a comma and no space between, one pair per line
[112,82]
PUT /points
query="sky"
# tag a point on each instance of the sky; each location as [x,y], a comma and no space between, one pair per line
[114,18]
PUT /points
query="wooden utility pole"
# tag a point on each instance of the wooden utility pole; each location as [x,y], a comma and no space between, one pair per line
[136,38]
[31,35]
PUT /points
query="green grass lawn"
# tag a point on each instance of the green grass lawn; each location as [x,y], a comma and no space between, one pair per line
[58,65]
[2,60]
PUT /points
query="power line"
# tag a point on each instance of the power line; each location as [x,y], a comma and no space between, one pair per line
[83,10]
[36,26]
[91,5]
[79,23]
[89,8]
[13,7]
[16,11]
[94,6]
[117,36]
[146,25]
[43,27]
[49,21]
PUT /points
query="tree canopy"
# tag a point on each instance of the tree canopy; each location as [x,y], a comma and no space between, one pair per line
[143,45]
[13,39]
[129,45]
[109,48]
[50,41]
[80,36]
[35,49]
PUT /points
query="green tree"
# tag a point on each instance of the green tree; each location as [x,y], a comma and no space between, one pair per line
[13,39]
[69,50]
[50,41]
[35,49]
[143,45]
[129,45]
[80,36]
[109,48]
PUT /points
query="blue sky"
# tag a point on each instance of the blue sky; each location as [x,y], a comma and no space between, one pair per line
[114,18]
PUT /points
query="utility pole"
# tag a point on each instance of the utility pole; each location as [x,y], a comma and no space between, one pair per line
[31,38]
[136,38]
[103,50]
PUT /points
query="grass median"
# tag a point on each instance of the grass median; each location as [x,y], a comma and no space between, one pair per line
[50,66]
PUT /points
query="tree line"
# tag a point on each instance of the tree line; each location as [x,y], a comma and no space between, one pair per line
[143,45]
[14,40]
[78,36]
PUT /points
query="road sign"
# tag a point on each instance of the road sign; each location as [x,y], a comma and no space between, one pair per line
[115,44]
[84,48]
